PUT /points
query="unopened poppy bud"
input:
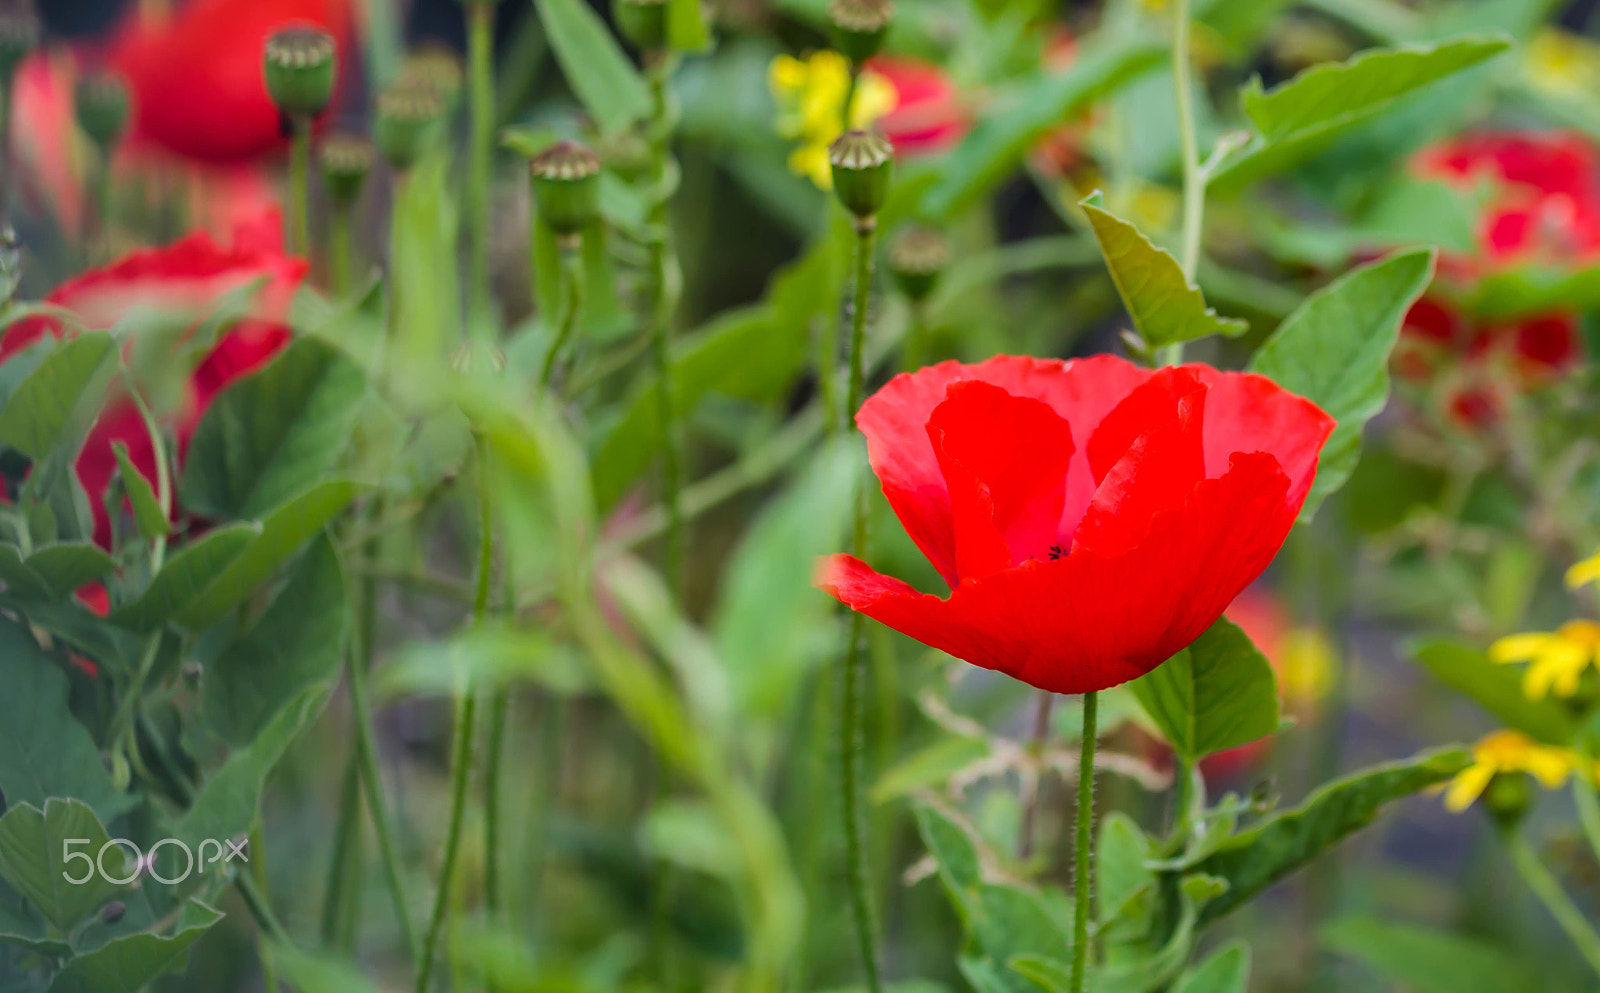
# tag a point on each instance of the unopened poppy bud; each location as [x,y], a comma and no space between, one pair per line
[1508,797]
[19,35]
[916,258]
[101,102]
[857,27]
[566,186]
[862,163]
[642,22]
[346,161]
[405,125]
[300,64]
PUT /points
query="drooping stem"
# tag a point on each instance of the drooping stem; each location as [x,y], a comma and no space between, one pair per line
[852,679]
[572,279]
[1030,806]
[299,240]
[664,306]
[1082,879]
[480,68]
[1194,190]
[1555,900]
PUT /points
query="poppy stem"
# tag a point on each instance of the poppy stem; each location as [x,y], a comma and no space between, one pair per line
[1082,880]
[572,279]
[341,252]
[300,186]
[664,306]
[1544,886]
[480,67]
[1194,184]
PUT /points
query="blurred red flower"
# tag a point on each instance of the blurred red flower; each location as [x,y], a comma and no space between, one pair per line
[186,278]
[196,76]
[1091,517]
[928,115]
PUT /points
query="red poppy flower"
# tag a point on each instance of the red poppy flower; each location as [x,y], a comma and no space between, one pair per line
[196,75]
[1091,517]
[927,116]
[187,276]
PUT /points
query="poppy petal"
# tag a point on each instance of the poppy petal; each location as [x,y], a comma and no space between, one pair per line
[1246,412]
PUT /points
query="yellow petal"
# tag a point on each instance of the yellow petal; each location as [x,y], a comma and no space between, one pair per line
[1559,665]
[1550,766]
[1583,572]
[1468,785]
[1519,647]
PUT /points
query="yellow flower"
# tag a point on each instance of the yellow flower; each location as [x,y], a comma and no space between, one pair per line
[1558,657]
[810,94]
[1508,751]
[1306,665]
[1584,572]
[1559,63]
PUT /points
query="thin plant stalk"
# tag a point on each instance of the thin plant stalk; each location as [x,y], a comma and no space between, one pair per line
[1194,188]
[663,309]
[1544,886]
[572,278]
[299,239]
[480,77]
[341,252]
[340,891]
[852,674]
[258,871]
[1030,809]
[1082,878]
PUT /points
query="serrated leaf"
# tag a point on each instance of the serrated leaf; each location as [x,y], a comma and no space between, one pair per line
[49,856]
[185,576]
[147,512]
[57,400]
[1226,971]
[44,750]
[1334,351]
[1298,118]
[1264,853]
[129,963]
[1426,960]
[1216,694]
[1166,308]
[1498,689]
[273,434]
[605,82]
[297,642]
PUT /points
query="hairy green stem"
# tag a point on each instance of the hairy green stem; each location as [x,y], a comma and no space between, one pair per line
[1082,878]
[299,240]
[480,70]
[663,309]
[1555,900]
[1194,190]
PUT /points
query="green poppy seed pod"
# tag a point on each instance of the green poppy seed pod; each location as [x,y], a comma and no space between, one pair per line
[642,22]
[435,67]
[916,257]
[862,164]
[19,35]
[346,160]
[406,124]
[1508,797]
[857,27]
[101,102]
[300,64]
[566,186]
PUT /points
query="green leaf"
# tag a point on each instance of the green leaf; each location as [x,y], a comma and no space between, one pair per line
[1226,971]
[185,576]
[1015,122]
[1264,853]
[1425,960]
[272,435]
[44,750]
[19,579]
[1125,881]
[686,26]
[282,533]
[297,642]
[605,82]
[485,656]
[1216,694]
[56,403]
[1300,117]
[49,856]
[129,963]
[1334,351]
[147,513]
[1498,689]
[1166,308]
[928,767]
[66,566]
[226,806]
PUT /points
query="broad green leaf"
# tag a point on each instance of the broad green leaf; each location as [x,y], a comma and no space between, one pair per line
[1226,971]
[53,858]
[1264,853]
[19,580]
[273,434]
[66,566]
[605,82]
[147,512]
[1334,351]
[1125,881]
[1016,121]
[185,577]
[1426,960]
[686,26]
[424,296]
[1166,308]
[44,750]
[226,806]
[1498,689]
[953,852]
[129,963]
[1216,694]
[58,400]
[297,642]
[282,534]
[1300,117]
